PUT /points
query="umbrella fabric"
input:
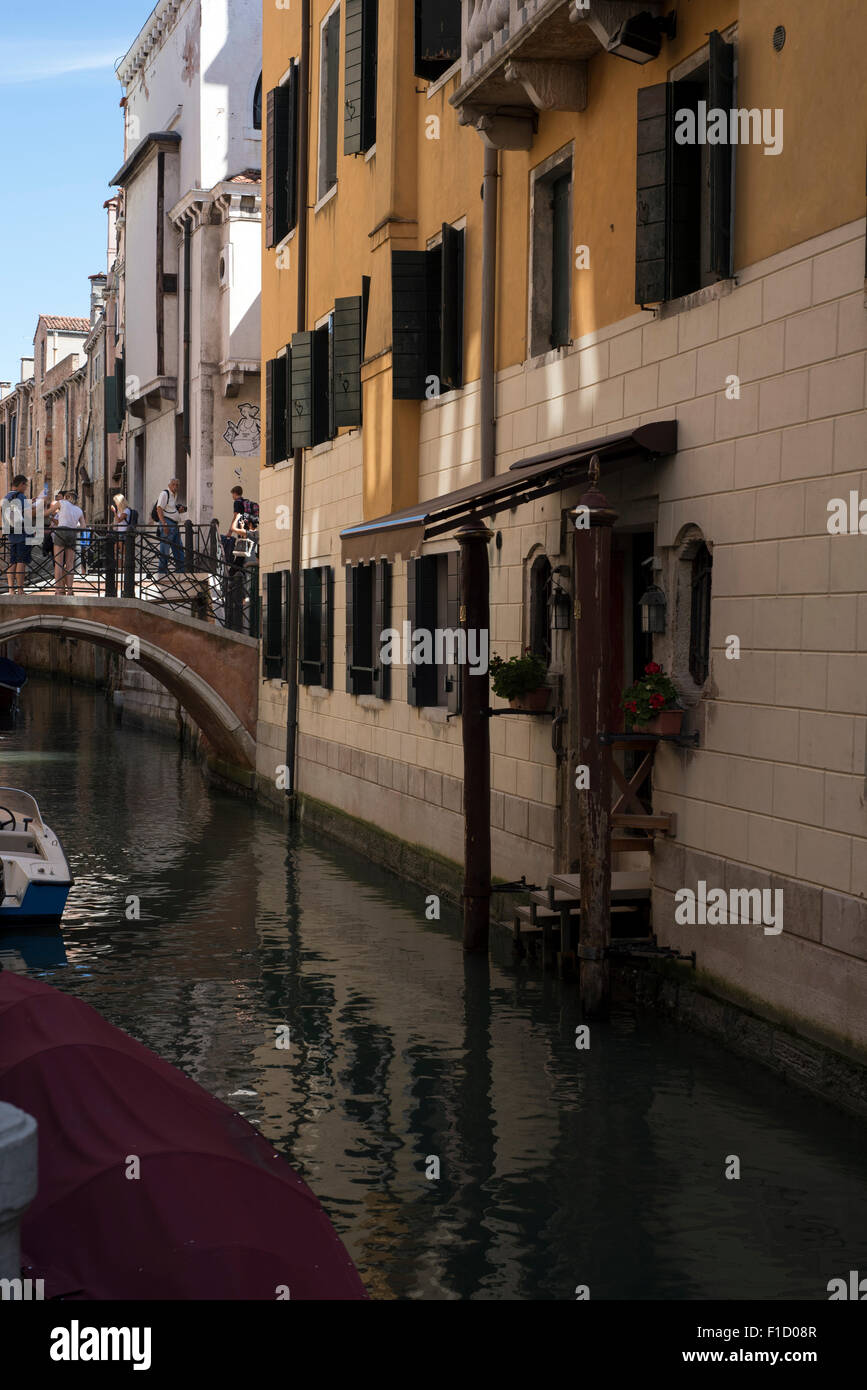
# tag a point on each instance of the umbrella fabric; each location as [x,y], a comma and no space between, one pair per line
[11,673]
[215,1213]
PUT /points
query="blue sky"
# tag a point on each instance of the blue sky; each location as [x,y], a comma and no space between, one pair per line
[62,139]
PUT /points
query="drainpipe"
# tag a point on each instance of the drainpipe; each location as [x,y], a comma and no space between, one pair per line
[488,404]
[298,455]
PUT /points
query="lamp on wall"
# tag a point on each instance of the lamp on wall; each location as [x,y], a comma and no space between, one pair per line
[639,39]
[559,609]
[653,607]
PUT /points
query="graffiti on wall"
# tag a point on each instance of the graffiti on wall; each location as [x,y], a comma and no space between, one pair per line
[243,435]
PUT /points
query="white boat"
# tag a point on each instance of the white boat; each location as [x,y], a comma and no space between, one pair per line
[34,874]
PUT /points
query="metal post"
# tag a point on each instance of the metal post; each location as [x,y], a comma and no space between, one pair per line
[189,551]
[475,704]
[488,384]
[111,565]
[129,538]
[594,520]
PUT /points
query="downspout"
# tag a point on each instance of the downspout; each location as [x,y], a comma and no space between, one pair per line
[488,385]
[298,455]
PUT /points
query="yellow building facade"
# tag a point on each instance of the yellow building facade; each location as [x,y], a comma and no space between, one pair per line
[714,285]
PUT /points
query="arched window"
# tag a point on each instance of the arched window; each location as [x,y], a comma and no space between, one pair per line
[699,621]
[540,598]
[257,105]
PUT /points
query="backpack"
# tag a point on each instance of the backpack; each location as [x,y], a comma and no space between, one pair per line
[133,517]
[251,509]
[155,516]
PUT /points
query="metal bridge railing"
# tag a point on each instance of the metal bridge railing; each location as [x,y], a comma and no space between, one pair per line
[195,576]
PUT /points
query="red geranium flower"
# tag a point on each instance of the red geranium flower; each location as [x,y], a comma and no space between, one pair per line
[652,669]
[632,707]
[657,701]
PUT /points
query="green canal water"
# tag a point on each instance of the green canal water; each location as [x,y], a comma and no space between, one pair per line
[558,1167]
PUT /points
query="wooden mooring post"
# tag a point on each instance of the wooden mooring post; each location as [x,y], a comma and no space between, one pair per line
[476,727]
[594,521]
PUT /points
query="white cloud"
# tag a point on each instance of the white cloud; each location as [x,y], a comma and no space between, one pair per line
[32,60]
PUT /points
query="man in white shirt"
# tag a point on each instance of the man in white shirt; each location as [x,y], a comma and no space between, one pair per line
[168,510]
[70,520]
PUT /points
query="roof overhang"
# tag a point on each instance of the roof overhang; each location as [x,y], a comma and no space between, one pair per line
[157,140]
[404,532]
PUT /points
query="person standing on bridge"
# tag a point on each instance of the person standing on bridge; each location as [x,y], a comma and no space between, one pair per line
[168,511]
[70,520]
[19,518]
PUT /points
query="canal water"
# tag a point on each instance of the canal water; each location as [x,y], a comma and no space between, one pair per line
[557,1167]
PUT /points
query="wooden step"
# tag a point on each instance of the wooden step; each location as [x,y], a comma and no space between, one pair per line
[626,821]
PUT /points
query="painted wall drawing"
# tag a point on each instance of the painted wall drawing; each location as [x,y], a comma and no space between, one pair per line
[243,435]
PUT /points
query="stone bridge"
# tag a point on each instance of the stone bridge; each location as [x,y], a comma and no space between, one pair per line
[212,671]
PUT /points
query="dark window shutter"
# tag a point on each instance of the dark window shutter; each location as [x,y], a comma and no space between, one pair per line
[454,672]
[425,677]
[280,405]
[721,97]
[437,36]
[354,78]
[351,572]
[290,166]
[269,413]
[311,619]
[370,68]
[411,608]
[561,267]
[409,276]
[120,379]
[273,645]
[326,629]
[347,348]
[684,197]
[270,165]
[284,636]
[309,388]
[650,238]
[281,171]
[381,624]
[112,419]
[452,310]
[2,441]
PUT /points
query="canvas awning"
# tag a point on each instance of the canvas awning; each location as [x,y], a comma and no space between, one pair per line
[403,532]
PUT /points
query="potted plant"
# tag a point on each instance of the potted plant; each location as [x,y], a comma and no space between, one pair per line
[650,704]
[521,681]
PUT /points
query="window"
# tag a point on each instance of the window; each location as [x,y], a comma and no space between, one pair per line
[13,436]
[428,318]
[368,616]
[2,441]
[359,119]
[275,638]
[684,200]
[30,425]
[551,251]
[314,389]
[278,444]
[281,160]
[437,37]
[433,611]
[540,598]
[317,613]
[329,84]
[699,622]
[257,105]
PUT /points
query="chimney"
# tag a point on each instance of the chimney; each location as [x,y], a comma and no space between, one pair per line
[97,295]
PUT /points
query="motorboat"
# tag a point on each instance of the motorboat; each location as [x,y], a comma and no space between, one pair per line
[34,874]
[12,678]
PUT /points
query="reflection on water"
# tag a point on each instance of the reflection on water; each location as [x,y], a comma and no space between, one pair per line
[557,1167]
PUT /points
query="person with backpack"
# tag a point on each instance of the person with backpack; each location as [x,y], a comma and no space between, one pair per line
[167,512]
[241,507]
[18,524]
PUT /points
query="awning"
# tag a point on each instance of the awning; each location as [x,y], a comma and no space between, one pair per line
[403,533]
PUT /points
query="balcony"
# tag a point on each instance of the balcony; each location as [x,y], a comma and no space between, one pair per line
[520,57]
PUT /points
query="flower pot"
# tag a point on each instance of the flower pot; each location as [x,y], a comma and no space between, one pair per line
[668,721]
[535,700]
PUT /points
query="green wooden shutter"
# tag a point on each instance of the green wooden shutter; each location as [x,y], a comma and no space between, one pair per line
[311,612]
[281,155]
[270,166]
[273,646]
[409,279]
[652,196]
[721,97]
[684,197]
[424,677]
[454,673]
[326,627]
[354,78]
[437,37]
[120,388]
[269,413]
[411,609]
[347,348]
[452,310]
[370,70]
[307,389]
[381,624]
[284,636]
[292,88]
[112,418]
[350,631]
[561,268]
[280,409]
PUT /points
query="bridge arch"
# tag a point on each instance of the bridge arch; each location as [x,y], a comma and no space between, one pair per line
[212,672]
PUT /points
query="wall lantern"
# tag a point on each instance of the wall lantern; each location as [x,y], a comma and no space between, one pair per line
[653,606]
[559,609]
[640,39]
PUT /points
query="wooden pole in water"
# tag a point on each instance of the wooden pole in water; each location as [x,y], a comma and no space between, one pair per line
[476,729]
[594,521]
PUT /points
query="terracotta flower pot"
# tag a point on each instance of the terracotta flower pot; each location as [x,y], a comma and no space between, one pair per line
[536,700]
[668,721]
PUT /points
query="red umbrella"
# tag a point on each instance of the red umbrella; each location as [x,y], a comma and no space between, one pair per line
[208,1210]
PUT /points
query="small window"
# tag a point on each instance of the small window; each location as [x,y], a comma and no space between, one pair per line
[13,436]
[368,617]
[329,85]
[433,612]
[428,318]
[274,642]
[551,251]
[437,37]
[699,623]
[281,159]
[317,626]
[540,600]
[257,105]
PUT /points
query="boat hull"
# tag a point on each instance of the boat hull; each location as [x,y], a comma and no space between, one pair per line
[43,904]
